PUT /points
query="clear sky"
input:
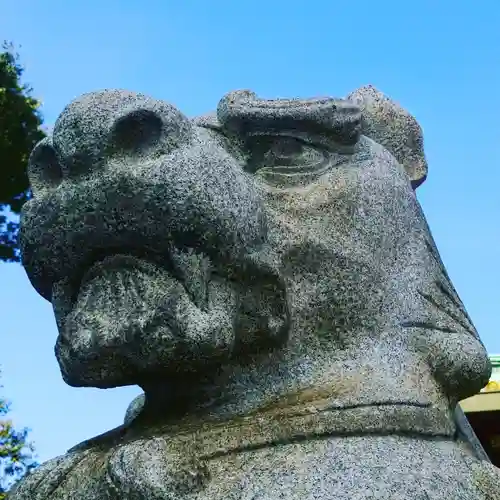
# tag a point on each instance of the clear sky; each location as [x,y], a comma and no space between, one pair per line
[440,59]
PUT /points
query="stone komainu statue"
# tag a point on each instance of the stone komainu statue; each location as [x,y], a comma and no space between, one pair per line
[266,275]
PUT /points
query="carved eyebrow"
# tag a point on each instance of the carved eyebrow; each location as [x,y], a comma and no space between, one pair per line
[243,113]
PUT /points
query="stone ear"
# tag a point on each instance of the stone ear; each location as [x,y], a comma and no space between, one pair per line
[138,131]
[44,169]
[387,123]
[147,128]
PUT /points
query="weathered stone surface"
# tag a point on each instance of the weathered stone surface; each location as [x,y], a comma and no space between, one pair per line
[387,123]
[265,273]
[134,408]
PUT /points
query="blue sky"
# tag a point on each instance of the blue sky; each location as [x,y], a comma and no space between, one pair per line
[441,60]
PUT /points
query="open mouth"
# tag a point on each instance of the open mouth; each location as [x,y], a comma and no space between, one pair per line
[118,287]
[124,313]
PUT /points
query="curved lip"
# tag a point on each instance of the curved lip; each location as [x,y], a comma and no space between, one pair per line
[218,438]
[100,260]
[363,420]
[375,404]
[113,261]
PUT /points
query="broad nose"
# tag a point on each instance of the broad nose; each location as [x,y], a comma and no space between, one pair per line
[102,126]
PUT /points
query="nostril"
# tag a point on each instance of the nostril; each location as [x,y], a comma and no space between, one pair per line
[44,169]
[136,133]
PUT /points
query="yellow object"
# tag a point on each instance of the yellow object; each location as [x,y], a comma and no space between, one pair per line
[492,386]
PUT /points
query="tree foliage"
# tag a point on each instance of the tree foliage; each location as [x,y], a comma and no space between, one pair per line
[16,452]
[20,123]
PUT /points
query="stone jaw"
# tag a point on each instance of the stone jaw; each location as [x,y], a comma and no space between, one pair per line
[279,297]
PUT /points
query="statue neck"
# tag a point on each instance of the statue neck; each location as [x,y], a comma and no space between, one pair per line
[288,384]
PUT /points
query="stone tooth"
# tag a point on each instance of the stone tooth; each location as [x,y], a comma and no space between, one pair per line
[62,301]
[193,269]
[132,286]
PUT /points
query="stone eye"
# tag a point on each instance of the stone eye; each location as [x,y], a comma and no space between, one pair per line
[136,133]
[284,154]
[285,150]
